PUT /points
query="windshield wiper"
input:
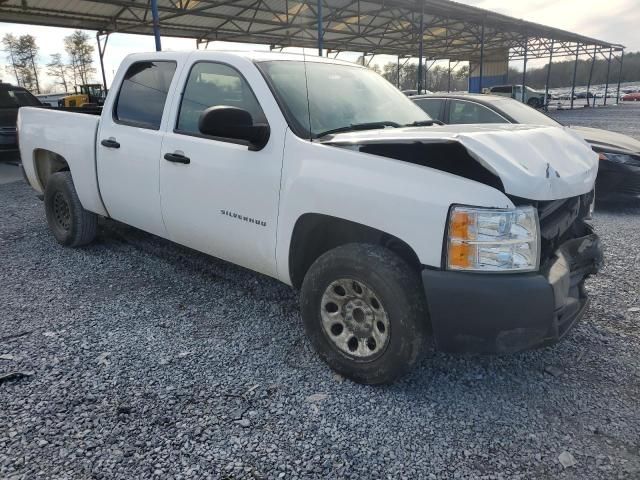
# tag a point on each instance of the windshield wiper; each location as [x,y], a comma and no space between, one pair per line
[424,123]
[360,126]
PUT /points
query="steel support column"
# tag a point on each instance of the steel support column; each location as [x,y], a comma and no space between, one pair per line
[546,86]
[593,62]
[481,58]
[575,71]
[101,48]
[524,69]
[320,32]
[620,77]
[606,85]
[156,24]
[420,52]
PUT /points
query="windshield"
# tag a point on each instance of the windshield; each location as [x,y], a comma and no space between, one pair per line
[340,97]
[17,97]
[522,113]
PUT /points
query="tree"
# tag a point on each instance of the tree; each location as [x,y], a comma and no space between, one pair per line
[462,73]
[80,53]
[58,70]
[437,78]
[10,44]
[562,72]
[22,53]
[27,57]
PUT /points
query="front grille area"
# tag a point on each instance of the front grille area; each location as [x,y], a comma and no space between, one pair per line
[560,220]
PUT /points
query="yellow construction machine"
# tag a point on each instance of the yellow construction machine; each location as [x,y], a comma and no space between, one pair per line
[87,95]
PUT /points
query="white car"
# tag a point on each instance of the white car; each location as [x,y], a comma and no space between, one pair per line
[323,175]
[533,98]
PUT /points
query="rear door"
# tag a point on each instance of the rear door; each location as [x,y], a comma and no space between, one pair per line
[129,142]
[465,111]
[224,201]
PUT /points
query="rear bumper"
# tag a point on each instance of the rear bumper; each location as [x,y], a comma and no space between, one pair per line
[505,313]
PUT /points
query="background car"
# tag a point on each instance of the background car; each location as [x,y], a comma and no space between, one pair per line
[408,93]
[619,171]
[11,99]
[632,97]
[532,97]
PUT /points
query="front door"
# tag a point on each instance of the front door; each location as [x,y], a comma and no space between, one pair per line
[128,146]
[219,197]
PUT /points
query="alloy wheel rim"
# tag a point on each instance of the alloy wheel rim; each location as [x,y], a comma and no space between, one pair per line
[354,319]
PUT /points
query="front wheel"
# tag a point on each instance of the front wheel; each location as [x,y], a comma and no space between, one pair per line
[71,225]
[365,313]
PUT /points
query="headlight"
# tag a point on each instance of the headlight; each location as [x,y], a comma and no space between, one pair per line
[493,240]
[620,158]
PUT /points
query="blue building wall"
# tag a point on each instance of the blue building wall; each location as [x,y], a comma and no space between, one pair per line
[495,68]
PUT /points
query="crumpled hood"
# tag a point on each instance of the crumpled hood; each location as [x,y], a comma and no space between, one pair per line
[606,140]
[533,162]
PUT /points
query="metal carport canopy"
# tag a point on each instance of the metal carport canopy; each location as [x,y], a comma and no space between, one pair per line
[450,30]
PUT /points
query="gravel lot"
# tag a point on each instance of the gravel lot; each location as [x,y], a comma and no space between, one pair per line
[149,360]
[624,118]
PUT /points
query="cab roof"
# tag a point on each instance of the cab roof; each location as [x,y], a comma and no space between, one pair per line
[252,55]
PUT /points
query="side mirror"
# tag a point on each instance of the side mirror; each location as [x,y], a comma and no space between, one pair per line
[233,123]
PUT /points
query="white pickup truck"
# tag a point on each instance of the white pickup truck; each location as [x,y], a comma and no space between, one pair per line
[321,174]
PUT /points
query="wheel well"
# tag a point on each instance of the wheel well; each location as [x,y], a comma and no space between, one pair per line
[47,163]
[315,234]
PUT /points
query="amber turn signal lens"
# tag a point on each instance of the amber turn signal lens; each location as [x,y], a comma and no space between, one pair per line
[461,255]
[459,225]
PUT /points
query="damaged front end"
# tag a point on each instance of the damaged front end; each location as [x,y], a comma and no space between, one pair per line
[506,313]
[489,306]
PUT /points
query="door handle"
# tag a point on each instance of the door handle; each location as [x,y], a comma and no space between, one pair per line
[177,158]
[110,143]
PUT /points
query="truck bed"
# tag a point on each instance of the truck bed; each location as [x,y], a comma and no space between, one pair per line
[68,136]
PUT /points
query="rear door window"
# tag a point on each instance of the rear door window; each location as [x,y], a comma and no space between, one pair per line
[17,97]
[461,111]
[432,106]
[505,89]
[143,94]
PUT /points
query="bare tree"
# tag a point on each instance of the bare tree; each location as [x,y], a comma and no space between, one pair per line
[80,53]
[27,54]
[58,70]
[11,47]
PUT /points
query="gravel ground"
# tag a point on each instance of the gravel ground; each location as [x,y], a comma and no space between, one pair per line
[144,359]
[623,118]
[150,360]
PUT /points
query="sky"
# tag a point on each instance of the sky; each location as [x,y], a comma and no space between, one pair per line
[615,21]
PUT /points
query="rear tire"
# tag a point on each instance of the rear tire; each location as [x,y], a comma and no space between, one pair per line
[365,313]
[71,225]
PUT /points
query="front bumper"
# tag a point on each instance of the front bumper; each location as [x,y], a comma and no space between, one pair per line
[505,313]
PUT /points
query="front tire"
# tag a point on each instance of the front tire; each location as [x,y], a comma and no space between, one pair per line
[365,313]
[71,225]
